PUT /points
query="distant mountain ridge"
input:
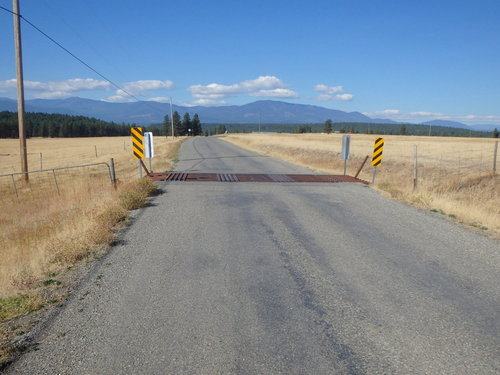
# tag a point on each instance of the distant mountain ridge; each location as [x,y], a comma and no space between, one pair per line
[266,111]
[146,113]
[451,124]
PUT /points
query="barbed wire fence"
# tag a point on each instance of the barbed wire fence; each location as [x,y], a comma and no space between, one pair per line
[57,180]
[427,163]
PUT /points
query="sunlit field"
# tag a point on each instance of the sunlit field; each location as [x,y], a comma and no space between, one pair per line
[455,175]
[63,216]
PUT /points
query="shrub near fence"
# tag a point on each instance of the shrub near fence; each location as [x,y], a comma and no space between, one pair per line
[48,216]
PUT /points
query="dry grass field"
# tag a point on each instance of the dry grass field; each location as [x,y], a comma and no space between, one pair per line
[63,217]
[454,174]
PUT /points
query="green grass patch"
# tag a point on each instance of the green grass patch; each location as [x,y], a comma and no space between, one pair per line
[23,304]
[135,194]
[51,282]
[479,226]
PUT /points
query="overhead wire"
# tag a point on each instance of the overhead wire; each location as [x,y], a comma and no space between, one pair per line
[69,52]
[92,46]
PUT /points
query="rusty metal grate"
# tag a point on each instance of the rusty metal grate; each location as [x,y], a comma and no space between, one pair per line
[228,177]
[176,176]
[281,178]
[247,177]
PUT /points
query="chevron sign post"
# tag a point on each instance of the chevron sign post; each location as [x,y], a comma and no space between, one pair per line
[378,149]
[138,145]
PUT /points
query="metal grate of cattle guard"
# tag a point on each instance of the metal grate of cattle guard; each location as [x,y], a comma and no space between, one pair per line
[249,177]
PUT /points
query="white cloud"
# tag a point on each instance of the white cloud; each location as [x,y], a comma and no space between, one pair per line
[118,99]
[8,85]
[204,102]
[68,85]
[67,88]
[423,116]
[138,87]
[344,97]
[328,89]
[426,114]
[275,93]
[256,87]
[159,99]
[53,95]
[477,119]
[385,112]
[331,93]
[341,97]
[57,89]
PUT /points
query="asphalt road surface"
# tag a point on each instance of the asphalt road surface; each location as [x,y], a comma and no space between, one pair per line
[279,278]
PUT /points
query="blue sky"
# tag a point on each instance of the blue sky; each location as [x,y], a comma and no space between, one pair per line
[403,60]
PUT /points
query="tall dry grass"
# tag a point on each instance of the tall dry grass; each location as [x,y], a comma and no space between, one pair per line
[454,174]
[56,221]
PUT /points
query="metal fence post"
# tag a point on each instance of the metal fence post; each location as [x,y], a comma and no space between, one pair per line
[55,180]
[113,174]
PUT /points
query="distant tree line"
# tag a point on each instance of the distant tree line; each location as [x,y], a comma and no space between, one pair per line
[56,125]
[186,126]
[218,129]
[349,127]
[402,129]
[65,126]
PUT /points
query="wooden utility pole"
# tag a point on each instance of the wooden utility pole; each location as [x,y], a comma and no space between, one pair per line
[20,89]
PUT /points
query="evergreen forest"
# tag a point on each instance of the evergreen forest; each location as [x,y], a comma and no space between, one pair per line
[58,125]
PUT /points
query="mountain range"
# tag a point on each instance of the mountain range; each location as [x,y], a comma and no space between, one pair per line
[265,111]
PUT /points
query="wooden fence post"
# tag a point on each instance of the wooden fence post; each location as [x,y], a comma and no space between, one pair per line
[495,152]
[415,168]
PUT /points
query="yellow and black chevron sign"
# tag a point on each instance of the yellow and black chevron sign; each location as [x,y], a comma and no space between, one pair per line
[137,142]
[377,152]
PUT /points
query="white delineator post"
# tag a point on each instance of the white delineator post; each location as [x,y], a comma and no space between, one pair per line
[149,147]
[346,155]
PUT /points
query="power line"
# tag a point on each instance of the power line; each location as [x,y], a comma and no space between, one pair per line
[69,52]
[62,18]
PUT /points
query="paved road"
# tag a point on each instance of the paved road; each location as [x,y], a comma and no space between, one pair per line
[270,278]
